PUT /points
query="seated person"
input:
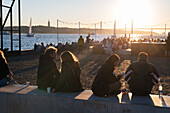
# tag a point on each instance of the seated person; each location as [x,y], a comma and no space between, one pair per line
[48,73]
[106,82]
[70,73]
[141,75]
[4,71]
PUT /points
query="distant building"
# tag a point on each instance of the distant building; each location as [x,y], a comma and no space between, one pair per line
[48,23]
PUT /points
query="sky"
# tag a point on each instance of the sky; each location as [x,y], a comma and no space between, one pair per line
[144,13]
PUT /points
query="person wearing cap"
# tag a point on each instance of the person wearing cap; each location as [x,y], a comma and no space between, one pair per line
[141,75]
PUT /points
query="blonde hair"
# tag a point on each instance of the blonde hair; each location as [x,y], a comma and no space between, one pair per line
[50,50]
[68,56]
[2,56]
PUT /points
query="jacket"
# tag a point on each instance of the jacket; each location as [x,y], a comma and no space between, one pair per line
[141,76]
[70,78]
[104,77]
[80,41]
[48,73]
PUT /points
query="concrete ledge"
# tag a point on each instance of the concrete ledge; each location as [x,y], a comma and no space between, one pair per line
[28,99]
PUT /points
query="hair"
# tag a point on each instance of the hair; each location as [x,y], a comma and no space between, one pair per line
[68,56]
[113,58]
[2,56]
[50,50]
[143,56]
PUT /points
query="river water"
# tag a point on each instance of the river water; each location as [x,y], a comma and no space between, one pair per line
[28,42]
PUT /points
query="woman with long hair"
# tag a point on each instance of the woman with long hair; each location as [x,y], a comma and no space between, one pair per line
[106,82]
[70,73]
[4,71]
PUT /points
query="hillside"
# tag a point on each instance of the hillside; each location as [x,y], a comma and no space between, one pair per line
[62,30]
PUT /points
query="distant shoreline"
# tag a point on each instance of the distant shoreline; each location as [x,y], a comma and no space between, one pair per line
[64,30]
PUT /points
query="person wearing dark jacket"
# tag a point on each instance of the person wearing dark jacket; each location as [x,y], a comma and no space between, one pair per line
[80,44]
[106,82]
[48,73]
[4,71]
[141,75]
[70,73]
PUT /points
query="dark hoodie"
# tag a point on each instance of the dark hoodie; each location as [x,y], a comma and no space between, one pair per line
[104,78]
[48,73]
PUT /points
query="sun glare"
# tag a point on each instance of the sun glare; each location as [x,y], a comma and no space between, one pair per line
[138,10]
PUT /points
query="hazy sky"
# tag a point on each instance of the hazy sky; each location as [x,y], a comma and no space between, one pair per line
[143,12]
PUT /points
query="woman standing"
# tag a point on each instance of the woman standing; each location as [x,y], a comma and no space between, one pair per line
[106,82]
[4,71]
[70,73]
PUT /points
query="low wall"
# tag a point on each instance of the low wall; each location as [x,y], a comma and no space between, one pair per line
[153,49]
[28,99]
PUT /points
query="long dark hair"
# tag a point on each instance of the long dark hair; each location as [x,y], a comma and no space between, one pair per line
[112,59]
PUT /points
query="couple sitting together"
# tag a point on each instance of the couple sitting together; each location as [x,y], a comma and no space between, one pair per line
[68,80]
[140,75]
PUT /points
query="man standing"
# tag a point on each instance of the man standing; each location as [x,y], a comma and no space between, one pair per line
[80,44]
[168,43]
[141,75]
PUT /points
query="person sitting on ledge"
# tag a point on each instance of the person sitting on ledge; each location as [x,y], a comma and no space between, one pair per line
[70,73]
[48,73]
[141,75]
[106,82]
[5,74]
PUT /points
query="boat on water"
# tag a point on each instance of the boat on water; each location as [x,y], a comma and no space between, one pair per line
[30,34]
[5,33]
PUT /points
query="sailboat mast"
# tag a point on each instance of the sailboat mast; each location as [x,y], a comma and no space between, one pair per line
[30,28]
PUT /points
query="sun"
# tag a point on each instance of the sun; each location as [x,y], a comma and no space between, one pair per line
[138,10]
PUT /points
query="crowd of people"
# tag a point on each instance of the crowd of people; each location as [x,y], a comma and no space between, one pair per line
[79,46]
[141,75]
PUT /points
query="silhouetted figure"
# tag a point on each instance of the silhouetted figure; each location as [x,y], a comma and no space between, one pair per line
[141,75]
[42,47]
[47,69]
[106,82]
[70,73]
[80,44]
[5,73]
[88,41]
[35,46]
[67,45]
[168,43]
